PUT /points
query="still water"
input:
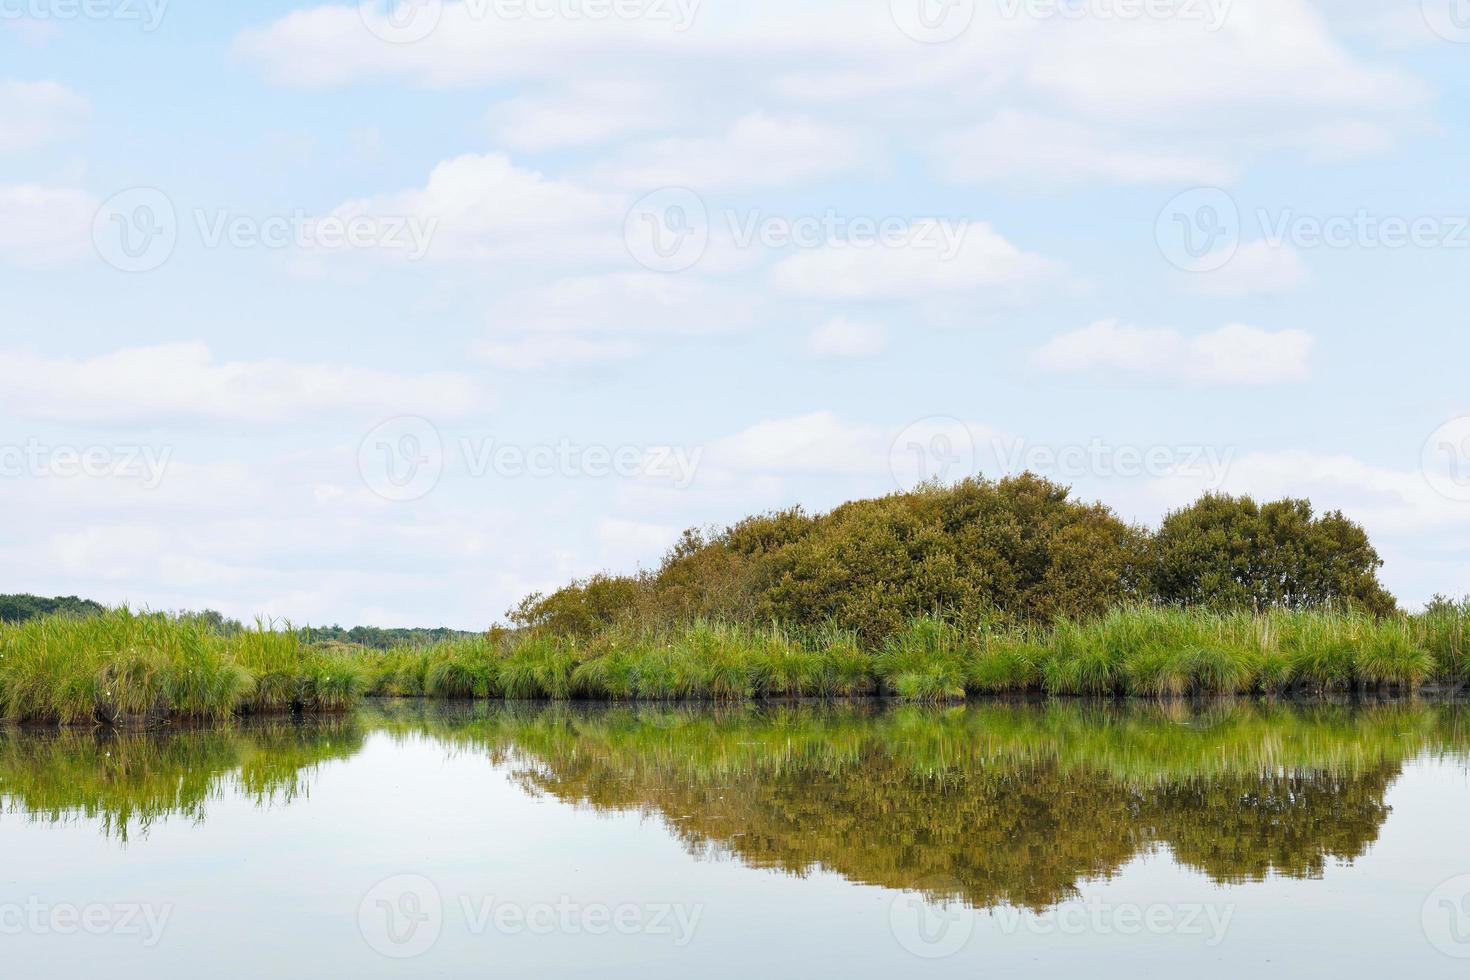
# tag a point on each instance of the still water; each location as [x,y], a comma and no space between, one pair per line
[865,840]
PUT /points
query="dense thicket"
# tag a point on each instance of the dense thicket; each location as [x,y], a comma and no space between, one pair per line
[1010,552]
[19,608]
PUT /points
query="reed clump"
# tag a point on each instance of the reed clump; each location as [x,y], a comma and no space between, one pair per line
[123,668]
[128,668]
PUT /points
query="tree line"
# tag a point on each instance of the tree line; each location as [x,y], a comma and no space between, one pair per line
[1016,551]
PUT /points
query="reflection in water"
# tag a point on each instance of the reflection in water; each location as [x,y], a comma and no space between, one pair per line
[1008,803]
[129,780]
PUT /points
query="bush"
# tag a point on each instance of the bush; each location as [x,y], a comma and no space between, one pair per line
[1231,552]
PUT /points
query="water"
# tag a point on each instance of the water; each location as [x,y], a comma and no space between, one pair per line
[867,840]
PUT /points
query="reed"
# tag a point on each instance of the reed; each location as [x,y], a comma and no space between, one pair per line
[123,668]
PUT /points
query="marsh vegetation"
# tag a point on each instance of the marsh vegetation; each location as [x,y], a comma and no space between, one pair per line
[976,589]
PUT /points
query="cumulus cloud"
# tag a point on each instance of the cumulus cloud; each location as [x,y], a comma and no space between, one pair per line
[757,150]
[844,338]
[44,226]
[1175,93]
[484,207]
[1015,145]
[539,353]
[1256,268]
[933,257]
[34,114]
[578,114]
[185,381]
[1232,355]
[819,442]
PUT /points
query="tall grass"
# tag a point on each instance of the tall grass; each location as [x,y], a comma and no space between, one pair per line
[124,667]
[138,668]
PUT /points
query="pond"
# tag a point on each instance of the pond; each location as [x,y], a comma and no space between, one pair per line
[866,839]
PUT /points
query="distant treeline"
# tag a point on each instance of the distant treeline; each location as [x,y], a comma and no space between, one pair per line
[375,638]
[1015,552]
[21,608]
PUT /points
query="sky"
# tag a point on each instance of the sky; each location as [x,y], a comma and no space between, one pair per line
[392,314]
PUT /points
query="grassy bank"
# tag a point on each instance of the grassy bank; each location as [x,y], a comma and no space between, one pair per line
[1139,652]
[123,667]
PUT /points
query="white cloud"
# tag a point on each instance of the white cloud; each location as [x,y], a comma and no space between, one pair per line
[1015,145]
[484,207]
[334,45]
[841,337]
[1232,355]
[935,256]
[185,381]
[1175,95]
[820,442]
[34,114]
[1380,497]
[757,150]
[538,353]
[578,114]
[628,544]
[581,319]
[44,226]
[1257,268]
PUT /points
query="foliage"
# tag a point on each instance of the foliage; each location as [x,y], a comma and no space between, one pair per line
[1015,552]
[1232,552]
[19,608]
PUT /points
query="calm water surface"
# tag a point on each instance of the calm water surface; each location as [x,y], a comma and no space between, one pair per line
[867,841]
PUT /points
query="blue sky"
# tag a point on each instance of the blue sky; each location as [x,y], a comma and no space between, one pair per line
[900,246]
